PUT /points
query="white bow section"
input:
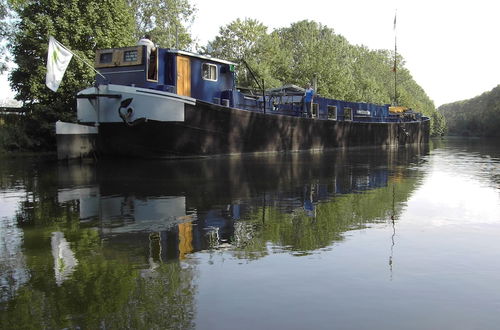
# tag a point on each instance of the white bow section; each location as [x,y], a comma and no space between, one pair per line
[101,105]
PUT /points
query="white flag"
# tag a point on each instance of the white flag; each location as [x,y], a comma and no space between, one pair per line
[58,58]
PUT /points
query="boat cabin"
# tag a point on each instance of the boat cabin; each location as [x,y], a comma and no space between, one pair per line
[175,71]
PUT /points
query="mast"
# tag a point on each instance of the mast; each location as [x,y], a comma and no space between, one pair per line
[395,68]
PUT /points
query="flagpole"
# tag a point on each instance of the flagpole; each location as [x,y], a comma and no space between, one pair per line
[90,65]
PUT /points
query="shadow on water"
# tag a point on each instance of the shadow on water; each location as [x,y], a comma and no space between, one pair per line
[108,245]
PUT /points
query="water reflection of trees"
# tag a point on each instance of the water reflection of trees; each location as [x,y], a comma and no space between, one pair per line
[144,279]
[302,233]
[105,290]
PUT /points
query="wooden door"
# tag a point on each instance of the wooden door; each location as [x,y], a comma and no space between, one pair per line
[183,76]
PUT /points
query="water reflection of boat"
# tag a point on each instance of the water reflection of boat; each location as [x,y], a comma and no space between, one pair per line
[128,213]
[197,204]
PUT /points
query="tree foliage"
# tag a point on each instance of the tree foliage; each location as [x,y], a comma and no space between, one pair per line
[4,33]
[236,42]
[307,51]
[237,39]
[479,116]
[167,21]
[82,26]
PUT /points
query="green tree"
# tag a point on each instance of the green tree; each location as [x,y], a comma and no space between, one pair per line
[237,42]
[167,21]
[478,116]
[4,33]
[237,39]
[81,25]
[308,50]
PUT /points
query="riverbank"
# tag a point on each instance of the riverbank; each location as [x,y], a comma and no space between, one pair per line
[22,133]
[11,138]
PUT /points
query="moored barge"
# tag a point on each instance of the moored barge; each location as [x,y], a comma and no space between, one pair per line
[178,104]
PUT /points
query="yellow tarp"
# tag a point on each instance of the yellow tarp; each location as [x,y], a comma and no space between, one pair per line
[397,109]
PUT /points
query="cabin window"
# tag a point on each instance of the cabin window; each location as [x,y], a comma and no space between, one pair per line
[106,58]
[332,112]
[209,71]
[116,57]
[347,114]
[130,56]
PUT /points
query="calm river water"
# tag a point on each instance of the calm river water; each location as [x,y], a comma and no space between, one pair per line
[360,239]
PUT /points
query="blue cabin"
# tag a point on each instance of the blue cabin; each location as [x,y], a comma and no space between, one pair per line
[213,80]
[175,71]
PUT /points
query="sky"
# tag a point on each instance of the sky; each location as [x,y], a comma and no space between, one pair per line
[450,47]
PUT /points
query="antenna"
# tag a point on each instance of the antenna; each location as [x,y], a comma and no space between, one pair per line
[176,37]
[395,68]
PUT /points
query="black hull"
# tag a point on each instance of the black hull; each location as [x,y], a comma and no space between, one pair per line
[209,129]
